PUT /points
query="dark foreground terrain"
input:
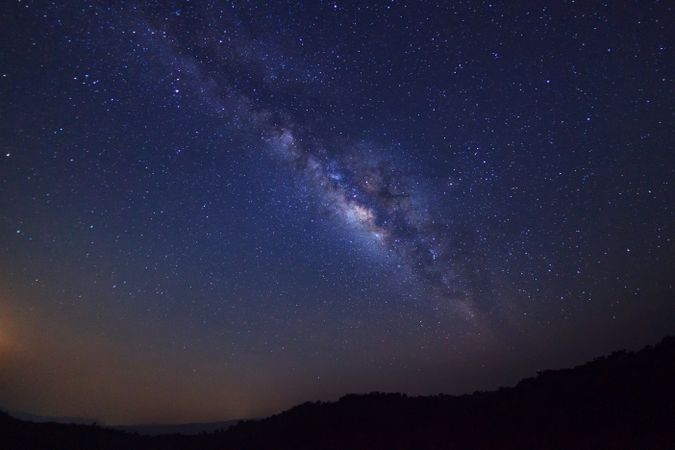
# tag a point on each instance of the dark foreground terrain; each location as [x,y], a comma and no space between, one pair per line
[623,401]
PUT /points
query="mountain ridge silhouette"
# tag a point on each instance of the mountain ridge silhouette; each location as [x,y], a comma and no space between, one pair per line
[621,401]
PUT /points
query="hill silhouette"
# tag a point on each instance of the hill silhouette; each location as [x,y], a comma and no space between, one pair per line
[622,401]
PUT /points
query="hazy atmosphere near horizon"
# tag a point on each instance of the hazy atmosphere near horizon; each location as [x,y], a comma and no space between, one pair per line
[213,210]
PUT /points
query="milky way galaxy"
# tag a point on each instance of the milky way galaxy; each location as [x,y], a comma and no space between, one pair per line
[359,185]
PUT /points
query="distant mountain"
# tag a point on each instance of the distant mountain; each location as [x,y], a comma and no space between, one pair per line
[623,401]
[146,430]
[185,428]
[54,419]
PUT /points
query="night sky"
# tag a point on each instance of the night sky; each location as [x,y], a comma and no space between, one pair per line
[212,210]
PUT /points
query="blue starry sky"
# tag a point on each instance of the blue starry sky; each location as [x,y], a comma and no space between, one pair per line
[214,210]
